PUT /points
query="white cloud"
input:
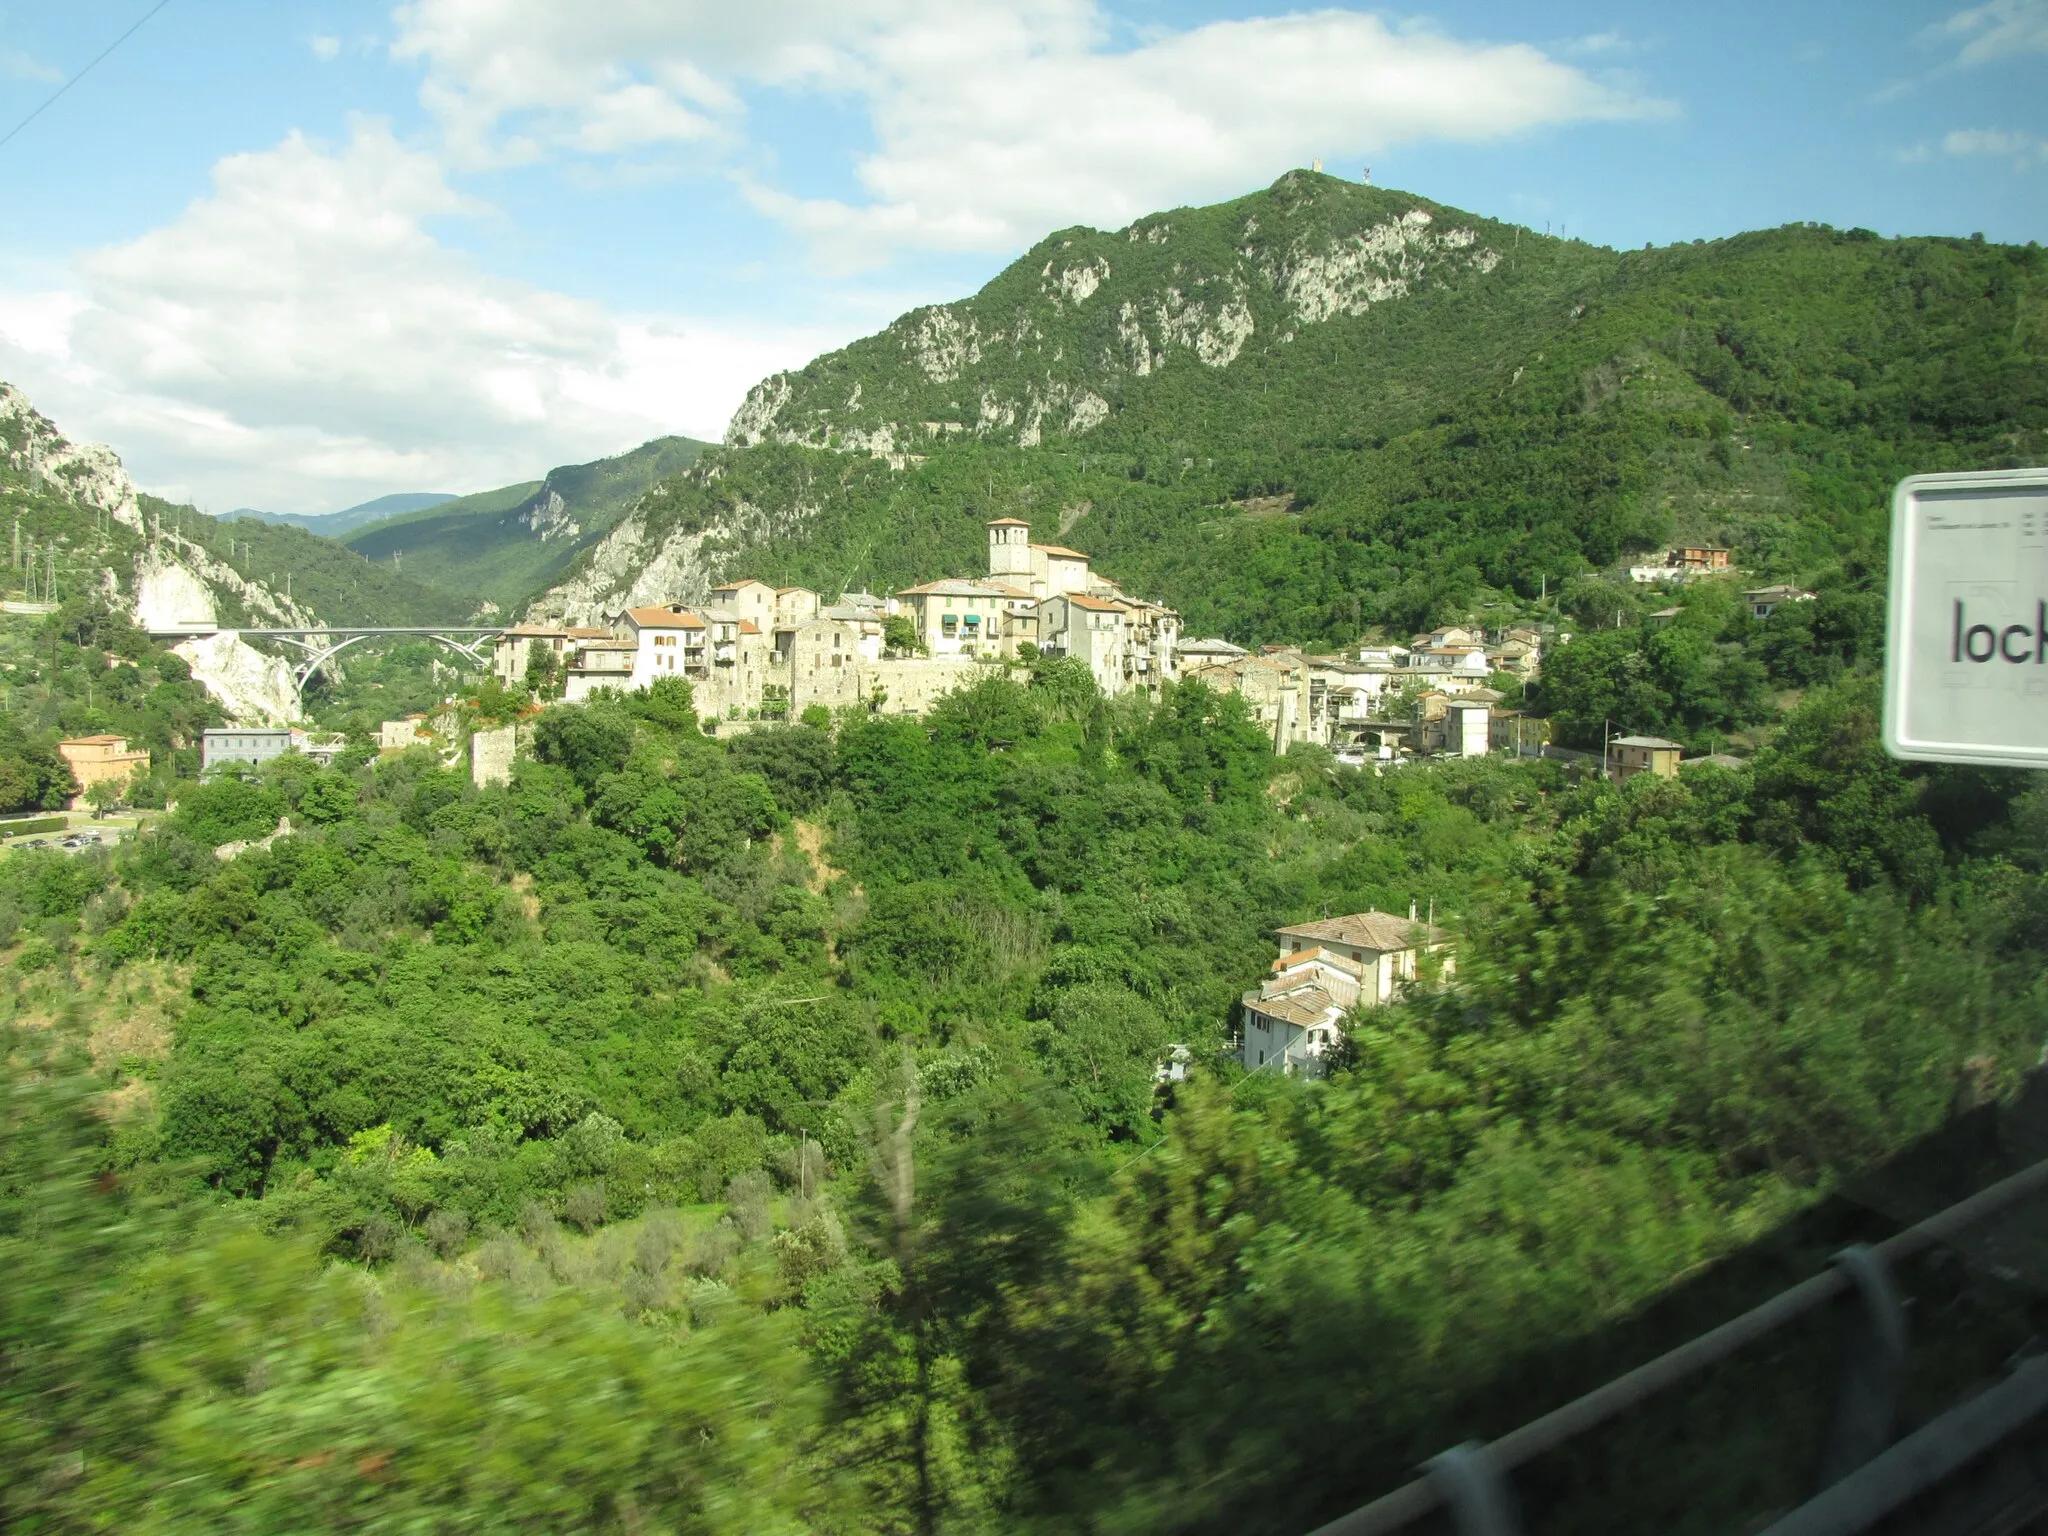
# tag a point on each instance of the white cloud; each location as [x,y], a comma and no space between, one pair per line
[326,49]
[1999,29]
[2023,148]
[1599,42]
[1985,141]
[17,65]
[298,340]
[992,122]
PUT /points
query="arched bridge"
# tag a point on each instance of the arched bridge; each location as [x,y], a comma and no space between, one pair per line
[320,646]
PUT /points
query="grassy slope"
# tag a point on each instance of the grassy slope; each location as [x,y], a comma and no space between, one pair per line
[486,544]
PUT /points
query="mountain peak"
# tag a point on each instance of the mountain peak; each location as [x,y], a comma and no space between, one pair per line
[1054,344]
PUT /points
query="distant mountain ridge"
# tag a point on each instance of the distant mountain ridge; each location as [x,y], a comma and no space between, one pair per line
[333,525]
[503,546]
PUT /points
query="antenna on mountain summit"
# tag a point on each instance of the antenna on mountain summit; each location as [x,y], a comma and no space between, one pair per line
[1368,176]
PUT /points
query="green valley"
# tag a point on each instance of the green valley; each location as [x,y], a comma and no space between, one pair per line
[848,1122]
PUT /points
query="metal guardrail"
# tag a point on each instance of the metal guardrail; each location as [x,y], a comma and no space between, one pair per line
[1471,1480]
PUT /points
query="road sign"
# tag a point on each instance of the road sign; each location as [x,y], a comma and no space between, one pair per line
[1966,659]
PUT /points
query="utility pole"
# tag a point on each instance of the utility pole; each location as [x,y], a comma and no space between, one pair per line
[1604,731]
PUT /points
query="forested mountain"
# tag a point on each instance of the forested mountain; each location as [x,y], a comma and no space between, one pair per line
[1326,406]
[506,545]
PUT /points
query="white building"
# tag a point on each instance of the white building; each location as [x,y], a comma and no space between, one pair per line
[1090,630]
[1765,601]
[1043,570]
[668,641]
[1326,970]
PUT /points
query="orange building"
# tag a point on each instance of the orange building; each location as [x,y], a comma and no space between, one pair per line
[97,759]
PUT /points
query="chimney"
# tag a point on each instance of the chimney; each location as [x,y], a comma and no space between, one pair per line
[1411,910]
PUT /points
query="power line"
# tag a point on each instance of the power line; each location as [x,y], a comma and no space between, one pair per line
[117,42]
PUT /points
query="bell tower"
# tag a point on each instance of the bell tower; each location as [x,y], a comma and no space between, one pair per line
[1009,550]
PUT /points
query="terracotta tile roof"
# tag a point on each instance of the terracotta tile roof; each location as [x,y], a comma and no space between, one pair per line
[955,586]
[1093,604]
[744,581]
[1306,1006]
[92,741]
[1060,551]
[1366,930]
[785,591]
[749,627]
[587,632]
[663,618]
[1317,956]
[1008,522]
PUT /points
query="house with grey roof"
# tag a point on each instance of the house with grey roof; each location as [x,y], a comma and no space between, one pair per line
[1294,1021]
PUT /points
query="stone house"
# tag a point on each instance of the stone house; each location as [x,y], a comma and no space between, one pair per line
[599,663]
[1275,686]
[748,598]
[1091,630]
[795,604]
[817,661]
[512,651]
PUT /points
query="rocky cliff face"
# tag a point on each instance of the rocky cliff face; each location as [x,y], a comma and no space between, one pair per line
[1050,347]
[88,474]
[254,688]
[649,558]
[162,579]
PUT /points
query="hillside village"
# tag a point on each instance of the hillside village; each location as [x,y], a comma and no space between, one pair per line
[755,652]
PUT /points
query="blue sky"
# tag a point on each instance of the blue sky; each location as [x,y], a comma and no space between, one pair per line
[296,256]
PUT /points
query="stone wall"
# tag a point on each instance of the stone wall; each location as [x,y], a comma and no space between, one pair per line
[491,754]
